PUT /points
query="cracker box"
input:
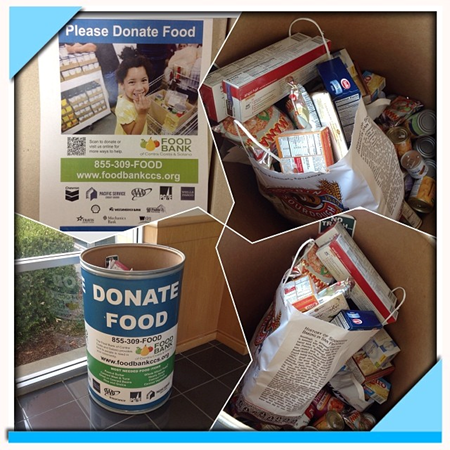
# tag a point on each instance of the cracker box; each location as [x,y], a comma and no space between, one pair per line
[381,349]
[329,309]
[305,151]
[300,293]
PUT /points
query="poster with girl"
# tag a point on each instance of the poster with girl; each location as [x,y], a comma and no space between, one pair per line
[123,139]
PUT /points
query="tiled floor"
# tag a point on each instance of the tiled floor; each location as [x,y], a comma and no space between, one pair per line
[204,378]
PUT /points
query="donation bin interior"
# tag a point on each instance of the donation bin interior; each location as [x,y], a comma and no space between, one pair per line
[401,255]
[400,46]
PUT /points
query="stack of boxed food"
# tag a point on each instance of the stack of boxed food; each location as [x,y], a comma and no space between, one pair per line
[299,103]
[335,285]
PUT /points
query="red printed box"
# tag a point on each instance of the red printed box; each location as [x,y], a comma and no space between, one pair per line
[248,86]
[343,258]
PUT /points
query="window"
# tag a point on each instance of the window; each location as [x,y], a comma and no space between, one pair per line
[49,319]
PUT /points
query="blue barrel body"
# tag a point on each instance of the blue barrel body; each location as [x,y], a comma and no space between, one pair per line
[131,320]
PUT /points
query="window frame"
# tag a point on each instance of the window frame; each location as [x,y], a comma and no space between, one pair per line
[54,374]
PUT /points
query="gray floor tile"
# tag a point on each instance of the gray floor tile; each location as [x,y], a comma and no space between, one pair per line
[210,397]
[180,414]
[45,399]
[215,361]
[65,417]
[188,375]
[78,386]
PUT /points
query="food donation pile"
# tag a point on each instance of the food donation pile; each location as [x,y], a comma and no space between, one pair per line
[321,354]
[292,107]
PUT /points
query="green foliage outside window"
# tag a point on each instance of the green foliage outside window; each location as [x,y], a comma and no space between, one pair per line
[43,298]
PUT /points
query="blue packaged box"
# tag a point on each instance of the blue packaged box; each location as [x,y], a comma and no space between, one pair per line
[357,320]
[343,91]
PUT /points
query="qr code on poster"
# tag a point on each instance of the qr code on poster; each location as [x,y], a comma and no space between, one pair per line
[76,146]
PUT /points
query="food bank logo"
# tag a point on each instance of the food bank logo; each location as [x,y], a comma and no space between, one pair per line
[149,145]
[144,351]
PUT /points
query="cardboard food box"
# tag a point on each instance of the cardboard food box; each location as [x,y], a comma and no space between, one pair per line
[158,112]
[393,249]
[344,93]
[409,70]
[254,83]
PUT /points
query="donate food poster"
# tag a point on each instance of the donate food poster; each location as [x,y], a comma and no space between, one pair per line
[123,140]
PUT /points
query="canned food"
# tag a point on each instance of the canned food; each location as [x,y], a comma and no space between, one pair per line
[426,146]
[401,140]
[414,164]
[355,421]
[370,420]
[422,123]
[423,193]
[331,421]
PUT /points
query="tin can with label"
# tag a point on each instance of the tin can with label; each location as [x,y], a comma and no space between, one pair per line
[131,319]
[423,193]
[414,164]
[426,146]
[422,123]
[331,421]
[401,140]
[356,421]
[370,420]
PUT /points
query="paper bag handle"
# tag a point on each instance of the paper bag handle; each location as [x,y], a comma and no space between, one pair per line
[289,272]
[238,124]
[398,306]
[318,27]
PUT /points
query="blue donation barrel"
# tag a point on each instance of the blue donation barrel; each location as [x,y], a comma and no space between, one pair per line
[131,319]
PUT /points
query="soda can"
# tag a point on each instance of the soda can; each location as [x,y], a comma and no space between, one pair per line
[426,146]
[422,123]
[331,421]
[414,164]
[401,140]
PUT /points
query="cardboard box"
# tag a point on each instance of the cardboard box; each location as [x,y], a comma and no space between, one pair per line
[381,349]
[366,37]
[254,271]
[159,113]
[254,83]
[364,371]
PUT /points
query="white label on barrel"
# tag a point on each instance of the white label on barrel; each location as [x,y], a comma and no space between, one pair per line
[123,365]
[131,330]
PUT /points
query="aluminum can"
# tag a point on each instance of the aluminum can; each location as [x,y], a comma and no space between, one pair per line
[422,123]
[331,421]
[414,164]
[422,197]
[426,146]
[401,140]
